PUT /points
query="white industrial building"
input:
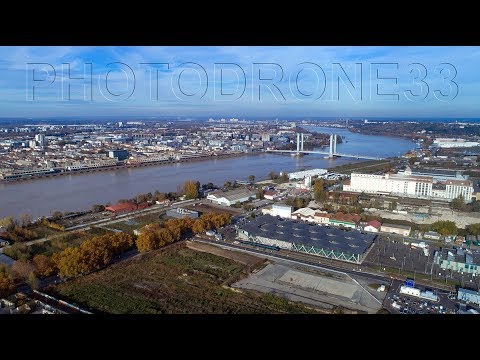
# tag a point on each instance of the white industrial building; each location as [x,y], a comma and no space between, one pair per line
[409,185]
[230,198]
[454,143]
[302,174]
[412,291]
[284,211]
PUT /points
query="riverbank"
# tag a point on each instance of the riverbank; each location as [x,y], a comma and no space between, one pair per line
[129,166]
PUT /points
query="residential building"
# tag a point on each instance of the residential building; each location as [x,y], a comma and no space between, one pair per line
[270,194]
[345,220]
[305,214]
[373,226]
[396,229]
[120,155]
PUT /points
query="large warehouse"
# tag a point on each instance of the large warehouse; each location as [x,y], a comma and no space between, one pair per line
[314,239]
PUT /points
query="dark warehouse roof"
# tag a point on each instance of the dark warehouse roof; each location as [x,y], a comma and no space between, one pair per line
[328,238]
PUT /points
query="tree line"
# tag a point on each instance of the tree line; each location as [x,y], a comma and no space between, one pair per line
[155,236]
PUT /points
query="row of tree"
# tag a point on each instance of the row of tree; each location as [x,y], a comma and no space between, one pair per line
[93,254]
[155,236]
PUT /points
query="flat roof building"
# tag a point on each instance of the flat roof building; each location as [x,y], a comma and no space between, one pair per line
[469,296]
[335,243]
[179,213]
[458,259]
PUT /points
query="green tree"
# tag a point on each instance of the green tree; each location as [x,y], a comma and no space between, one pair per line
[318,192]
[190,189]
[272,175]
[227,184]
[473,229]
[251,178]
[458,203]
[445,227]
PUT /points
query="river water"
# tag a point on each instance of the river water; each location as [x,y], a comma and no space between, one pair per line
[41,197]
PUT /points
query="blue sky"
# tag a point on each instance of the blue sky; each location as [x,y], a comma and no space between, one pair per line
[224,81]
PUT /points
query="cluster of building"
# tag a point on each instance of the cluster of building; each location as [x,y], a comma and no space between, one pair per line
[458,259]
[34,150]
[334,243]
[416,183]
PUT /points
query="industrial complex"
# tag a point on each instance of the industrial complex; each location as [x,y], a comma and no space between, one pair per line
[408,183]
[334,243]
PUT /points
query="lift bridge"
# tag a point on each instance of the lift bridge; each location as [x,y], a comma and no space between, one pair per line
[331,154]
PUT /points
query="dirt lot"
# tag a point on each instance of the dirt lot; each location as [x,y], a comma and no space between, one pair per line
[175,279]
[461,219]
[204,208]
[242,258]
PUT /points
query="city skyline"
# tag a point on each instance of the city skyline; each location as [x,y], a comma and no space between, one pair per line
[299,93]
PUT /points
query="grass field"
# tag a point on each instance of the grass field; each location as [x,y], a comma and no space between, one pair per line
[175,279]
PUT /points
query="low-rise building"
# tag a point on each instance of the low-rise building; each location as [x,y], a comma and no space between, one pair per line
[281,210]
[458,259]
[231,197]
[179,213]
[373,226]
[433,235]
[125,207]
[469,296]
[305,214]
[270,194]
[345,220]
[403,230]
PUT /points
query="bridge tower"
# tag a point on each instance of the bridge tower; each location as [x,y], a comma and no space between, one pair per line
[298,143]
[301,146]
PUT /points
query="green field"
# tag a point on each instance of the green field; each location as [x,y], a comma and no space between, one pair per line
[175,279]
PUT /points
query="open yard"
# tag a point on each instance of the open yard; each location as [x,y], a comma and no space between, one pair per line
[207,207]
[174,279]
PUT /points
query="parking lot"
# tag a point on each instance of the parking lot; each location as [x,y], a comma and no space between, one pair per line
[398,303]
[389,252]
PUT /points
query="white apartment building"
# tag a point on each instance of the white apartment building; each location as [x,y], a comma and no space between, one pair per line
[408,185]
